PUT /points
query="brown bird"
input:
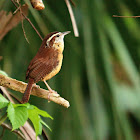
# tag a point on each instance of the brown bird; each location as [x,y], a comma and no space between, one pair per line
[47,62]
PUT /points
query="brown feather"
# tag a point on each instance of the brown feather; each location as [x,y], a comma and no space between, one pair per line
[27,92]
[42,64]
[43,53]
[43,45]
[46,64]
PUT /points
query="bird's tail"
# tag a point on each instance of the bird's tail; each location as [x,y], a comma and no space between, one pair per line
[27,92]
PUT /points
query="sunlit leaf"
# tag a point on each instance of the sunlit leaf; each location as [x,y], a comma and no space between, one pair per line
[3,73]
[46,125]
[35,119]
[17,115]
[42,113]
[3,102]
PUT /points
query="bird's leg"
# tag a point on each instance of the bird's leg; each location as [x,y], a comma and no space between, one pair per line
[49,88]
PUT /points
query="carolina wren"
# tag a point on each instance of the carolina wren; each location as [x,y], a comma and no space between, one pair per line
[46,63]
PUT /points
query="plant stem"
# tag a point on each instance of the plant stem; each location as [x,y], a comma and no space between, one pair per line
[3,118]
[14,131]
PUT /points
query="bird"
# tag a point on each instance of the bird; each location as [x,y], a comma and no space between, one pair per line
[46,63]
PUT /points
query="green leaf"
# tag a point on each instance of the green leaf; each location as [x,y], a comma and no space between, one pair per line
[31,106]
[17,116]
[46,125]
[35,118]
[23,105]
[34,115]
[3,73]
[3,102]
[40,127]
[42,113]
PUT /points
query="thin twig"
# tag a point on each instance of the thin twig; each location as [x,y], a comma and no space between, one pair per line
[16,10]
[75,29]
[22,23]
[72,2]
[3,118]
[28,21]
[7,94]
[20,10]
[33,26]
[126,16]
[44,134]
[2,134]
[16,99]
[24,30]
[14,131]
[42,93]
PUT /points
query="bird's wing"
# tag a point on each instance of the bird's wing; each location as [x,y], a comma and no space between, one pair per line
[40,67]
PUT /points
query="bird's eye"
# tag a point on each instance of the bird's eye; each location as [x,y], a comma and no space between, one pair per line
[57,36]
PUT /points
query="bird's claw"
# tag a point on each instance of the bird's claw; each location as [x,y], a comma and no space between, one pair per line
[35,85]
[52,93]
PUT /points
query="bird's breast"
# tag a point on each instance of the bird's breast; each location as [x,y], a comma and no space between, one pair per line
[55,69]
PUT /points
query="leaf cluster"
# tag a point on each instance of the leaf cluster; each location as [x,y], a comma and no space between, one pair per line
[18,114]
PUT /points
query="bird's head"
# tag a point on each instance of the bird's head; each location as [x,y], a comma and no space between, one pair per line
[56,40]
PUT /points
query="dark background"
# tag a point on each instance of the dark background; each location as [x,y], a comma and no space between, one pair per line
[100,73]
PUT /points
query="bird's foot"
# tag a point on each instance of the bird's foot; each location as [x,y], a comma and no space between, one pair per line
[52,92]
[35,85]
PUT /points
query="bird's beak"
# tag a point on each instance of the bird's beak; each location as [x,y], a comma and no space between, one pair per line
[65,33]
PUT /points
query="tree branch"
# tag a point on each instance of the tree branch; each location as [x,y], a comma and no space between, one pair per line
[37,4]
[42,93]
[75,29]
[4,125]
[27,20]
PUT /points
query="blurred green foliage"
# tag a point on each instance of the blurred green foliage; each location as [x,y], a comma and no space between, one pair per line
[100,73]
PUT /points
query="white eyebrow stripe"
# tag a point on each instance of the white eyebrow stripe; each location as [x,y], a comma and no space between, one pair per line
[51,37]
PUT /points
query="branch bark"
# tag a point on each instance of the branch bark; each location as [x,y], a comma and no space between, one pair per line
[42,93]
[4,125]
